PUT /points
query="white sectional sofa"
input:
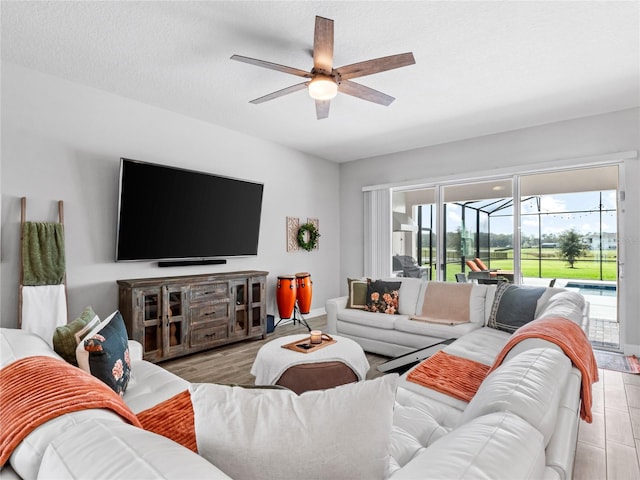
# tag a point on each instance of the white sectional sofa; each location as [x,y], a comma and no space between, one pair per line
[97,443]
[522,423]
[395,335]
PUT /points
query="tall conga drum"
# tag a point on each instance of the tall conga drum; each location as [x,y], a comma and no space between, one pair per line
[286,295]
[304,291]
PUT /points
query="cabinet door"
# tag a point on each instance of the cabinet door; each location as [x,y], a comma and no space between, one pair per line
[148,318]
[175,320]
[238,326]
[257,303]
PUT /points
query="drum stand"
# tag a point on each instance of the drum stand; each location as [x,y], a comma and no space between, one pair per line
[296,312]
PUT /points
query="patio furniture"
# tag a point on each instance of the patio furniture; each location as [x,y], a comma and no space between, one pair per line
[461,278]
[407,266]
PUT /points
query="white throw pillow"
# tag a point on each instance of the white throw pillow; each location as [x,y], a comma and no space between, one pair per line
[342,432]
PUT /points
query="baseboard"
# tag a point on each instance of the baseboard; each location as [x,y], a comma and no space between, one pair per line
[631,349]
[313,313]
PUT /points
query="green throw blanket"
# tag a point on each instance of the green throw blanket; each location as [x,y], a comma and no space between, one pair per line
[43,261]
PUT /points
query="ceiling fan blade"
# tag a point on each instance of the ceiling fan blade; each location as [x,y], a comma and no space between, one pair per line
[280,93]
[322,108]
[272,66]
[365,93]
[377,65]
[323,45]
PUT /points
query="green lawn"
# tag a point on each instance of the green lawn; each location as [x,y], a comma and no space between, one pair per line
[552,266]
[584,270]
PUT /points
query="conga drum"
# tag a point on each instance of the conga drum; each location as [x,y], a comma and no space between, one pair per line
[286,295]
[303,284]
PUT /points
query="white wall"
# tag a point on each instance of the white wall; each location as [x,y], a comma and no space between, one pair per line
[559,143]
[63,141]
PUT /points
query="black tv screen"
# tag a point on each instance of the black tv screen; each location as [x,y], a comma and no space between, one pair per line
[167,213]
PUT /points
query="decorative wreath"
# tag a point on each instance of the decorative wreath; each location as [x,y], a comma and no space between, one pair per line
[312,231]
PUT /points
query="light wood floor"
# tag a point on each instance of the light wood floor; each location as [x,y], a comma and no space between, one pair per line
[608,448]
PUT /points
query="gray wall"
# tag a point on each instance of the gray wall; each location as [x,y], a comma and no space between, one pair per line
[63,141]
[562,143]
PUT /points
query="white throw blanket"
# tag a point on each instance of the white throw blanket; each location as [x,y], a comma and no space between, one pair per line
[44,308]
[272,360]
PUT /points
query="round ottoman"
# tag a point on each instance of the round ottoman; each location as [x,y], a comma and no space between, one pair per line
[336,364]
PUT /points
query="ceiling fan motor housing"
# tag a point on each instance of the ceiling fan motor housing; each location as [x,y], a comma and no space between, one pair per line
[323,86]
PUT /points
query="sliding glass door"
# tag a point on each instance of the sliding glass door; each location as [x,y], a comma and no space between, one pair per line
[569,231]
[479,224]
[414,233]
[562,230]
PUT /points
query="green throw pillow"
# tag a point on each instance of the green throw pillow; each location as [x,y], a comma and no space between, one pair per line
[357,293]
[64,338]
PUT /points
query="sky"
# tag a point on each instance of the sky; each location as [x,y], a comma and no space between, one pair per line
[556,214]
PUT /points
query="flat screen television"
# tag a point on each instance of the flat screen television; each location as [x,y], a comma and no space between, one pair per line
[172,214]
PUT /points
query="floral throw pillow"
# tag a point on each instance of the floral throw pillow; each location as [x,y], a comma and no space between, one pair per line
[382,297]
[104,353]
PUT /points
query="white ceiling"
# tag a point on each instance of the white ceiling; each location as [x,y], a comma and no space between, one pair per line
[481,67]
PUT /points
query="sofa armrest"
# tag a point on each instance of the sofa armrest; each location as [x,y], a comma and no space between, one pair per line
[332,306]
[135,350]
[122,450]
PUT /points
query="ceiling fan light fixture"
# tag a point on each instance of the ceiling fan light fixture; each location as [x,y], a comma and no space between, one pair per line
[323,87]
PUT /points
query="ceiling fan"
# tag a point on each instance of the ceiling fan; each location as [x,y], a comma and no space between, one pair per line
[325,81]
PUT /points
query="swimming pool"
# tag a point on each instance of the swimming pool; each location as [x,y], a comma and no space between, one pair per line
[593,289]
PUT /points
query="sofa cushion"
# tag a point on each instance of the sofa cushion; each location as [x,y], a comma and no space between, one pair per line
[529,385]
[27,456]
[380,320]
[107,449]
[418,421]
[104,353]
[409,292]
[67,337]
[416,327]
[496,446]
[151,384]
[357,289]
[341,432]
[382,297]
[481,345]
[514,306]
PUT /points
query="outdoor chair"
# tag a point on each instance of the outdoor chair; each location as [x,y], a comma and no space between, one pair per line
[461,278]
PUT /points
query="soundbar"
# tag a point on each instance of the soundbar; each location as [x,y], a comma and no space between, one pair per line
[189,263]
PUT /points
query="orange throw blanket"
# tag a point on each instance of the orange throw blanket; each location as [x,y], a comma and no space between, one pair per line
[574,343]
[34,390]
[173,419]
[454,376]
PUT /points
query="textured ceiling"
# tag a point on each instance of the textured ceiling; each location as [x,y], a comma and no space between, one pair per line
[481,67]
